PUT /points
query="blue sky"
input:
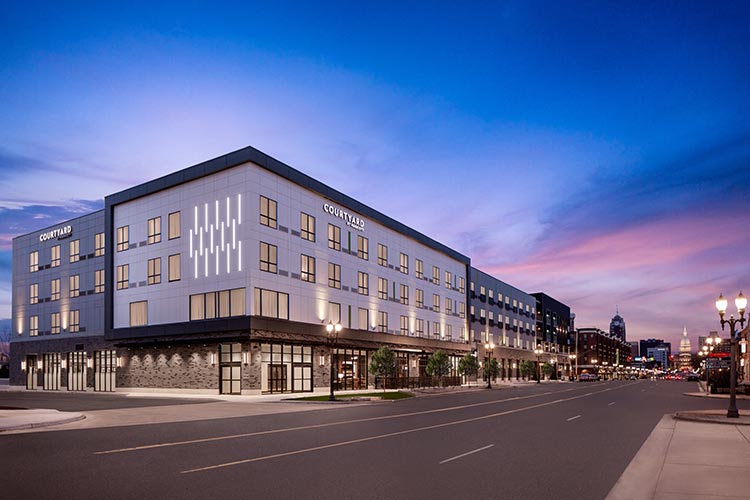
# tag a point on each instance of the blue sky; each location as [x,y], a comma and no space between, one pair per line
[596,151]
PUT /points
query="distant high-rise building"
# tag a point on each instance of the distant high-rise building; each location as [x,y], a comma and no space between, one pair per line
[617,326]
[686,355]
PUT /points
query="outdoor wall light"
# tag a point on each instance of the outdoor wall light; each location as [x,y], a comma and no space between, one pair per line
[39,364]
[89,363]
[23,366]
[63,364]
[245,358]
[213,359]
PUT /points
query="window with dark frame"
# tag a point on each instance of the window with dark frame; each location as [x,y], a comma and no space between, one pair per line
[334,237]
[74,325]
[383,288]
[123,276]
[99,281]
[268,212]
[334,275]
[363,247]
[154,230]
[154,271]
[55,289]
[123,238]
[307,227]
[174,267]
[404,263]
[382,255]
[174,225]
[74,282]
[34,293]
[98,244]
[55,251]
[307,268]
[74,247]
[268,257]
[363,283]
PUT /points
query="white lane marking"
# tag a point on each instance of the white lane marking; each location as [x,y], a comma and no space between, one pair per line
[383,436]
[610,404]
[573,418]
[462,455]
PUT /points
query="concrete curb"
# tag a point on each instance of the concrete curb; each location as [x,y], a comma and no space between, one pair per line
[34,419]
[713,417]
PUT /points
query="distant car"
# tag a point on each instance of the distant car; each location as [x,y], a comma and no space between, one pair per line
[587,377]
[633,377]
[692,377]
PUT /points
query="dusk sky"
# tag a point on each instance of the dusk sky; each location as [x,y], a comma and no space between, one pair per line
[599,152]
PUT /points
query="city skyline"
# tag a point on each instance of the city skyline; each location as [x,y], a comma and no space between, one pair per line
[600,150]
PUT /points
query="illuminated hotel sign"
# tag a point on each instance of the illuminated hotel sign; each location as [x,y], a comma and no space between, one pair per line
[351,220]
[60,233]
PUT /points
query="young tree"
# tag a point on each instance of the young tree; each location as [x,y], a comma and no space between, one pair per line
[468,365]
[383,364]
[439,365]
[548,369]
[527,369]
[491,370]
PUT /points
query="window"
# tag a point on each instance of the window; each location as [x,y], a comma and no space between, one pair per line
[419,327]
[75,285]
[448,331]
[364,318]
[271,304]
[404,295]
[363,283]
[268,212]
[55,323]
[123,238]
[307,268]
[154,230]
[334,312]
[419,268]
[98,244]
[75,247]
[174,225]
[34,293]
[404,330]
[334,237]
[382,255]
[462,310]
[99,281]
[436,302]
[461,285]
[448,305]
[55,256]
[34,261]
[123,276]
[268,257]
[139,313]
[436,275]
[420,298]
[382,321]
[174,267]
[436,329]
[482,291]
[363,247]
[55,289]
[404,263]
[221,304]
[383,288]
[448,279]
[307,227]
[33,326]
[334,275]
[154,271]
[74,325]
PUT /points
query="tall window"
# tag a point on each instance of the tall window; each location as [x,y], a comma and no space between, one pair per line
[268,212]
[55,256]
[436,302]
[154,271]
[221,304]
[307,268]
[123,238]
[98,244]
[123,276]
[33,326]
[448,305]
[364,318]
[74,321]
[33,261]
[462,285]
[404,325]
[139,313]
[363,247]
[448,279]
[462,311]
[55,323]
[174,267]
[55,289]
[268,257]
[419,268]
[271,304]
[420,298]
[382,321]
[334,312]
[307,226]
[436,275]
[404,295]
[436,328]
[334,237]
[154,230]
[75,247]
[382,255]
[363,283]
[382,288]
[174,225]
[419,327]
[99,281]
[404,261]
[75,285]
[334,275]
[34,293]
[448,331]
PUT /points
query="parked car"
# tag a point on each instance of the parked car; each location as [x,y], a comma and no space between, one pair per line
[587,377]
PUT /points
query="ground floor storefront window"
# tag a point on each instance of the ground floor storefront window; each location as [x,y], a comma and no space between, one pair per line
[230,367]
[286,368]
[105,365]
[350,367]
[76,367]
[52,371]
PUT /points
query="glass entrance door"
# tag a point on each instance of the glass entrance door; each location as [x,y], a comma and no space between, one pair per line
[31,379]
[77,371]
[230,368]
[52,371]
[277,378]
[105,364]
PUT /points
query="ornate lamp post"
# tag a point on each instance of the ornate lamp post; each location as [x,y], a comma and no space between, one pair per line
[573,357]
[489,349]
[332,334]
[538,351]
[721,305]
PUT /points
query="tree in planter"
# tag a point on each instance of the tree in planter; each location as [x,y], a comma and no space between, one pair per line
[468,365]
[527,369]
[383,364]
[548,369]
[438,365]
[491,370]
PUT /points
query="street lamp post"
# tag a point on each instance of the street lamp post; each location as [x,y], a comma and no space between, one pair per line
[489,349]
[574,357]
[711,343]
[332,334]
[538,351]
[721,305]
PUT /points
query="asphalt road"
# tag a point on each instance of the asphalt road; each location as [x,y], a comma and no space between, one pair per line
[562,441]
